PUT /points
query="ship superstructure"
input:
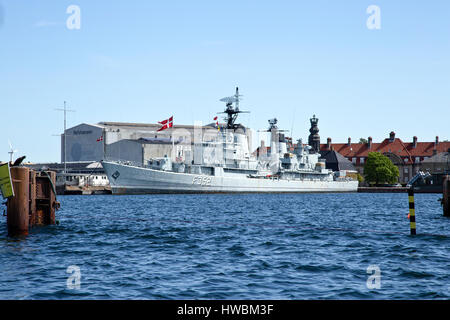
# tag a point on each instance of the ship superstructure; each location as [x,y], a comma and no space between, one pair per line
[223,162]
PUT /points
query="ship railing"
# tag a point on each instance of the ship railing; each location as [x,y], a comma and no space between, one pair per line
[125,162]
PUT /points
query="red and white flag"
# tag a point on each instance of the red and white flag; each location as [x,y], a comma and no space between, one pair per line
[168,123]
[100,139]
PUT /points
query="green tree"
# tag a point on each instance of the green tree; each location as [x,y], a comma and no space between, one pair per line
[380,169]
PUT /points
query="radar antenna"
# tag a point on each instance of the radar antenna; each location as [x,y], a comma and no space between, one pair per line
[272,125]
[232,112]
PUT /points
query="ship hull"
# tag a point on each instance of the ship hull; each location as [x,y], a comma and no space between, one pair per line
[125,179]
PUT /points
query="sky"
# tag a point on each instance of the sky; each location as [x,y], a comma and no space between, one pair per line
[143,61]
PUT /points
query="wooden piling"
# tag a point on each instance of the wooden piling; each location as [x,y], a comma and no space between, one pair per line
[19,206]
[446,196]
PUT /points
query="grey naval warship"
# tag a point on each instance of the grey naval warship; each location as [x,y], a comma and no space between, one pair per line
[223,163]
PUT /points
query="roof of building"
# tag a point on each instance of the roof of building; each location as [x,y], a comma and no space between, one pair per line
[147,125]
[395,146]
[335,161]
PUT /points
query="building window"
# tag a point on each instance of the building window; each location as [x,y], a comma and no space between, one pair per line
[361,160]
[354,160]
[406,170]
[406,160]
[417,159]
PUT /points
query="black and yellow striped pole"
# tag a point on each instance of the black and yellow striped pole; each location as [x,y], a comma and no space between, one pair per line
[412,214]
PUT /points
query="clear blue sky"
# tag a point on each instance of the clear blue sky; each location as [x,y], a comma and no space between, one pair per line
[142,61]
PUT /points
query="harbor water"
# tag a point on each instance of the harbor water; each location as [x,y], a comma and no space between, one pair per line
[232,246]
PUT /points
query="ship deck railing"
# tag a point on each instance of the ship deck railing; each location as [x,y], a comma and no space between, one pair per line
[126,162]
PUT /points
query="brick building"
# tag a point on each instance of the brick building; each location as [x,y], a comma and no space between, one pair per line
[407,156]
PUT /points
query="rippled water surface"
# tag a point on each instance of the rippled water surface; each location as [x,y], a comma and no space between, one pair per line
[277,246]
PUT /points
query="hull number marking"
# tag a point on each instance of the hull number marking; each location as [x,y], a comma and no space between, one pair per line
[203,181]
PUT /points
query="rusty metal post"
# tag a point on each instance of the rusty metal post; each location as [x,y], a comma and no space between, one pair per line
[53,205]
[18,207]
[32,198]
[46,203]
[446,196]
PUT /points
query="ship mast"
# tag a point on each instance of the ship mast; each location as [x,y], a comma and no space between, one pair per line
[236,96]
[232,112]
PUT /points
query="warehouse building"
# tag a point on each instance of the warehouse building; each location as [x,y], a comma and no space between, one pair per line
[133,142]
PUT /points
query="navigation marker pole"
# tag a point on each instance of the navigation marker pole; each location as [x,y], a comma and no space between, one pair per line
[412,215]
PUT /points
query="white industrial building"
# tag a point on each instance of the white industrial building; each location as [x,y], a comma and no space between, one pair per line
[134,142]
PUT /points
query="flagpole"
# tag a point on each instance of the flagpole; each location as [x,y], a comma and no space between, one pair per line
[173,140]
[104,143]
[173,147]
[168,124]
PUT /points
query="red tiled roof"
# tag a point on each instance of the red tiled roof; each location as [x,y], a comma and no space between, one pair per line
[398,147]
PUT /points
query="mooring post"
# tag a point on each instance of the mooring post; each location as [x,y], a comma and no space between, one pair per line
[18,207]
[53,204]
[45,194]
[446,196]
[32,198]
[412,214]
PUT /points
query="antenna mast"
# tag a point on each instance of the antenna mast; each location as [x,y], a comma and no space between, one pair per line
[232,112]
[65,122]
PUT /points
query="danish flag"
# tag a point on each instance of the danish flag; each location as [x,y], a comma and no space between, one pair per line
[168,123]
